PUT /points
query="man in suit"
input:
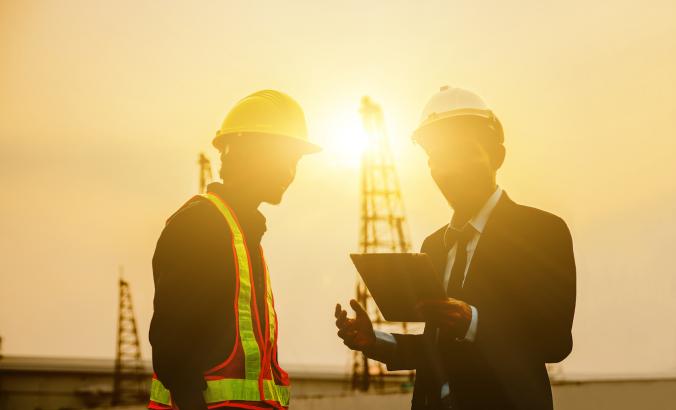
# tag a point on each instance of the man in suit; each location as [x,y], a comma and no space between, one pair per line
[509,271]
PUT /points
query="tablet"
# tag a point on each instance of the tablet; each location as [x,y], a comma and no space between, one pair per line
[398,281]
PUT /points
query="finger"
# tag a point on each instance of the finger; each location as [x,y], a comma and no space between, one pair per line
[453,315]
[447,307]
[342,318]
[347,324]
[442,319]
[358,309]
[337,310]
[344,322]
[347,332]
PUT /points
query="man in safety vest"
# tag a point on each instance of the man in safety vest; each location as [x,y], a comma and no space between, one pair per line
[214,327]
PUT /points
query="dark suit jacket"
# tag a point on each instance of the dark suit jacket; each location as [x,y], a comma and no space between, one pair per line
[522,281]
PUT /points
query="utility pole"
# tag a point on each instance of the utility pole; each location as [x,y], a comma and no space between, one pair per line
[129,381]
[383,229]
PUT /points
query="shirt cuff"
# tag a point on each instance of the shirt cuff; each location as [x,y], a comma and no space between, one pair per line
[384,337]
[384,347]
[471,331]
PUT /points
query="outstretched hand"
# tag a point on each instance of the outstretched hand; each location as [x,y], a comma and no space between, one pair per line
[357,333]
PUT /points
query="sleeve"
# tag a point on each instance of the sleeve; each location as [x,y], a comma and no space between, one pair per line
[473,325]
[550,309]
[409,352]
[184,296]
[533,318]
[384,347]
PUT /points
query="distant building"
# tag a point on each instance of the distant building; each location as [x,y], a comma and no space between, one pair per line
[39,383]
[32,383]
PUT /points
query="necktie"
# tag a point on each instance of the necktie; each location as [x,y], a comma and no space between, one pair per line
[459,238]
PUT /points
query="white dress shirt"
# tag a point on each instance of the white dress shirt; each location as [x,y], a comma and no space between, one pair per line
[478,223]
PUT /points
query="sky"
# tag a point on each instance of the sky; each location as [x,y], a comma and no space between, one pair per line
[104,107]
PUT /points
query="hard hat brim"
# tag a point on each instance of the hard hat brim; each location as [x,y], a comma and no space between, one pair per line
[429,128]
[304,147]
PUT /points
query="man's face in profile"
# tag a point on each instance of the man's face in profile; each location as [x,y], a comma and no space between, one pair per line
[266,165]
[459,162]
[275,170]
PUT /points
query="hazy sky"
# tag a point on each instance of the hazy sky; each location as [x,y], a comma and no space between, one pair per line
[104,107]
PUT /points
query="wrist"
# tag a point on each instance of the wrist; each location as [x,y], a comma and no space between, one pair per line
[383,347]
[370,342]
[470,332]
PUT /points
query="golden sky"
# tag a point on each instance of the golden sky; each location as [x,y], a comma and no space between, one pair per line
[104,107]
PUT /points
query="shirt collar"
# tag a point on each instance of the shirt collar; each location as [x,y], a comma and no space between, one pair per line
[478,222]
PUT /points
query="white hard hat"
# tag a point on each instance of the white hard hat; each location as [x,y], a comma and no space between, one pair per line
[451,102]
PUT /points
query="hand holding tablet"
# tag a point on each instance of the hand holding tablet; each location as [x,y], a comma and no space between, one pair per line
[398,282]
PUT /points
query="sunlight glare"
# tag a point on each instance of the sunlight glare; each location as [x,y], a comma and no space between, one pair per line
[347,141]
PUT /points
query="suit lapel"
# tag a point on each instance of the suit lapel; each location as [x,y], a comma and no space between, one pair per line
[489,238]
[488,242]
[437,253]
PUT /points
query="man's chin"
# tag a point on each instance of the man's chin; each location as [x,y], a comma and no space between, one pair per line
[452,192]
[274,199]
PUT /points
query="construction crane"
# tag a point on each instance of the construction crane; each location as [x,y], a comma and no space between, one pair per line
[205,172]
[129,381]
[383,228]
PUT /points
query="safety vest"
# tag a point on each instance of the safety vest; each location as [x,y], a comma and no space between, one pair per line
[251,375]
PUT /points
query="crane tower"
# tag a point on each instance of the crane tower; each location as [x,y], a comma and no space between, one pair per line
[383,228]
[130,384]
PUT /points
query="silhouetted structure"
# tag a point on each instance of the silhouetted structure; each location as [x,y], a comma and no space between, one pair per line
[130,384]
[383,227]
[205,172]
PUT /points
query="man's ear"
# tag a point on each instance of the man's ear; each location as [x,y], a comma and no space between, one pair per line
[227,165]
[498,156]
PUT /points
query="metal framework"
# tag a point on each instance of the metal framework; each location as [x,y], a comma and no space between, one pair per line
[205,172]
[130,384]
[383,229]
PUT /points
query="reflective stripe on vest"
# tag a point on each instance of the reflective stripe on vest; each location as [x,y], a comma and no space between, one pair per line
[247,389]
[246,330]
[272,316]
[228,389]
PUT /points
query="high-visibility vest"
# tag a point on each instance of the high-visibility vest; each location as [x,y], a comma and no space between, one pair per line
[250,377]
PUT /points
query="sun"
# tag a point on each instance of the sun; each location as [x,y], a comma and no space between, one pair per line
[347,141]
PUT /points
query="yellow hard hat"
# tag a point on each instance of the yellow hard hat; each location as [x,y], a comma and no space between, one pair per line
[267,112]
